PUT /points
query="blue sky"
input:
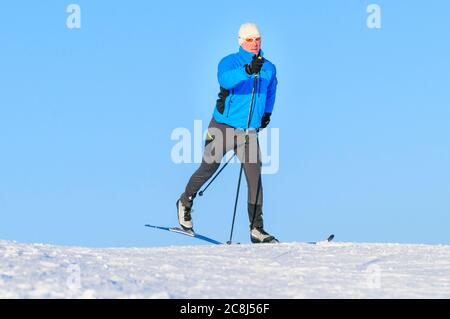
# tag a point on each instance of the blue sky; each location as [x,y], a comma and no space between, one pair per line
[86,117]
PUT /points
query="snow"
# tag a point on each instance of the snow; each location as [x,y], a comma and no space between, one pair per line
[288,270]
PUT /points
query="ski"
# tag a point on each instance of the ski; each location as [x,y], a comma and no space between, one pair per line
[186,233]
[329,239]
[193,234]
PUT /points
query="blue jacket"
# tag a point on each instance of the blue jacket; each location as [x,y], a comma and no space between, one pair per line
[236,85]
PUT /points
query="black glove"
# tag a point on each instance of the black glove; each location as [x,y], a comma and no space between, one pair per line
[265,120]
[255,66]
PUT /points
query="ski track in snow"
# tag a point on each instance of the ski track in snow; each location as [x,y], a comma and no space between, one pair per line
[288,270]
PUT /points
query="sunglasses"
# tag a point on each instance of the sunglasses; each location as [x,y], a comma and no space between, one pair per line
[249,40]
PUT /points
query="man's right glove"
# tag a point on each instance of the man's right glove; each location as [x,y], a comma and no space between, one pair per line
[265,120]
[255,66]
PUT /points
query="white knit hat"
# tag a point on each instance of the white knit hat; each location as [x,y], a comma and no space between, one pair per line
[248,30]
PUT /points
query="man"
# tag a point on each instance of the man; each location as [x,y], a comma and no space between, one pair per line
[247,83]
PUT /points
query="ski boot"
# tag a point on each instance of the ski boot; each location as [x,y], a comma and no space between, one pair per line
[184,216]
[258,236]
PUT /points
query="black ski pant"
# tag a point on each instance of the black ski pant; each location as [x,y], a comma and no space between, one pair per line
[220,139]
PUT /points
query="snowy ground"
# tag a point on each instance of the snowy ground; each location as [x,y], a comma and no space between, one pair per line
[292,270]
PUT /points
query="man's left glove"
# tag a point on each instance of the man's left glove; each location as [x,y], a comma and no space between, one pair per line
[265,120]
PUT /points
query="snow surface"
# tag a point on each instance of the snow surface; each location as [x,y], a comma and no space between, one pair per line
[289,270]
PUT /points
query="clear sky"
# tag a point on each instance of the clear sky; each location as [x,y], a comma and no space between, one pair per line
[86,117]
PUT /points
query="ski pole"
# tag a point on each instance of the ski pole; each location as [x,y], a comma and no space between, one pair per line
[215,176]
[242,164]
[235,204]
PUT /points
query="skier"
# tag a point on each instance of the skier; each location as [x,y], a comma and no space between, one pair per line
[237,74]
